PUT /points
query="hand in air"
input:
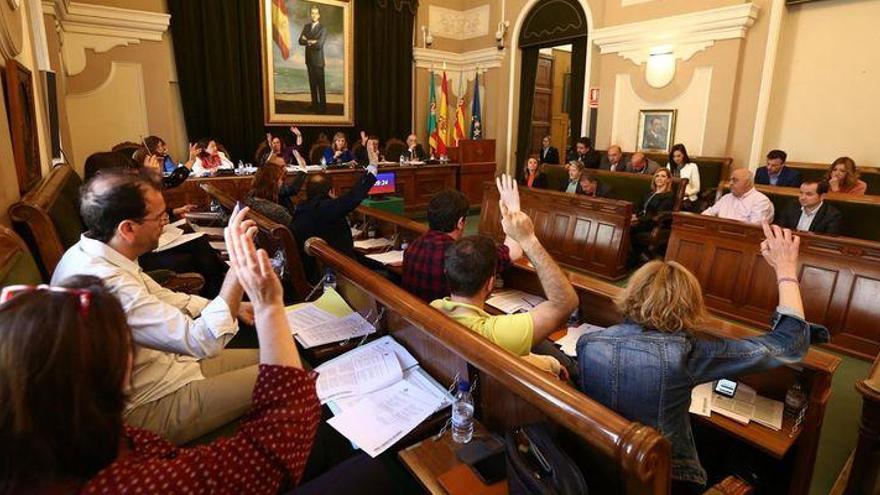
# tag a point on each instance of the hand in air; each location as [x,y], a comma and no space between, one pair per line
[516,225]
[194,150]
[780,250]
[251,265]
[508,192]
[295,130]
[269,138]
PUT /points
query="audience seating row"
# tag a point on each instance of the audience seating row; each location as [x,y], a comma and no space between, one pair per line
[792,458]
[840,278]
[817,171]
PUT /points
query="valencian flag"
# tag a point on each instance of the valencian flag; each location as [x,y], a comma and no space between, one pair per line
[432,115]
[443,117]
[458,129]
[476,115]
[281,27]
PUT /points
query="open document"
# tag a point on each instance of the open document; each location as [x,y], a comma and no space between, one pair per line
[745,406]
[513,301]
[388,258]
[326,320]
[378,242]
[374,418]
[568,343]
[172,237]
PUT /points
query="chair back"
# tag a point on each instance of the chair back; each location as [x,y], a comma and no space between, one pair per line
[316,152]
[17,265]
[393,149]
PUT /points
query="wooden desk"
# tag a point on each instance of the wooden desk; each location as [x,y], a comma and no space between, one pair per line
[432,457]
[416,184]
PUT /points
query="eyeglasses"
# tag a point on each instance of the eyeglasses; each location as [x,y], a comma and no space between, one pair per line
[84,295]
[161,218]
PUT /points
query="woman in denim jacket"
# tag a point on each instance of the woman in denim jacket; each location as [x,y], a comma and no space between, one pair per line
[645,367]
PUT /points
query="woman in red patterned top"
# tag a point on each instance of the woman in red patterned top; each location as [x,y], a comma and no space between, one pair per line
[65,363]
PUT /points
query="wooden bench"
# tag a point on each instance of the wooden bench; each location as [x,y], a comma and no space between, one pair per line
[861,474]
[817,171]
[796,456]
[590,234]
[624,456]
[273,237]
[17,265]
[860,213]
[47,217]
[840,278]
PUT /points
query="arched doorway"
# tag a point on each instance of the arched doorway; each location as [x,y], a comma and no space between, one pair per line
[549,24]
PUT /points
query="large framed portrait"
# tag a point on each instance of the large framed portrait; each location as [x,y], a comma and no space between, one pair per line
[656,130]
[23,124]
[308,61]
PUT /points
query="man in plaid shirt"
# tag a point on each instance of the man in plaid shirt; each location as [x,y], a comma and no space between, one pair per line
[423,273]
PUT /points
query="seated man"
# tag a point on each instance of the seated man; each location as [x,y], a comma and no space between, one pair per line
[640,164]
[156,146]
[743,203]
[584,153]
[175,389]
[423,274]
[614,159]
[589,185]
[775,173]
[809,212]
[470,266]
[414,151]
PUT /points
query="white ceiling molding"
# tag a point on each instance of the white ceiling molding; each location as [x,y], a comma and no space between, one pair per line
[84,26]
[458,65]
[684,34]
[459,24]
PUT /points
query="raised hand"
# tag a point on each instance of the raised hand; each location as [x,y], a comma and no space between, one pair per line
[780,250]
[364,138]
[269,138]
[508,192]
[194,150]
[251,265]
[516,224]
[295,130]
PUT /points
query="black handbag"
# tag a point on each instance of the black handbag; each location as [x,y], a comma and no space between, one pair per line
[537,466]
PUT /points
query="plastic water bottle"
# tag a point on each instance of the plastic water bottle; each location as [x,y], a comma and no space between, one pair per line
[240,168]
[402,160]
[463,414]
[329,280]
[795,400]
[323,162]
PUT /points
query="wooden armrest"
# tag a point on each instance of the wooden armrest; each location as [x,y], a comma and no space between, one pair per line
[731,485]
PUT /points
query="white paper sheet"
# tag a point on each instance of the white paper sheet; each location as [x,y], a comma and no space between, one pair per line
[358,373]
[212,231]
[738,408]
[512,301]
[384,417]
[768,412]
[169,234]
[568,343]
[336,330]
[306,316]
[701,400]
[218,245]
[178,223]
[182,239]
[388,258]
[374,243]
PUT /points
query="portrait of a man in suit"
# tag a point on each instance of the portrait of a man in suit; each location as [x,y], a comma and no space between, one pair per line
[312,38]
[656,128]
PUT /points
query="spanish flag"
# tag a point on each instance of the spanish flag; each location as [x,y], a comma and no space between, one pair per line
[281,27]
[458,130]
[443,117]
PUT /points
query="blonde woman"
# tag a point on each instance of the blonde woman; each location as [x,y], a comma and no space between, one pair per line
[575,169]
[645,367]
[338,152]
[843,177]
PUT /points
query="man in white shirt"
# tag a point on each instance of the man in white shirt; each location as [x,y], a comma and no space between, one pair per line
[743,203]
[176,390]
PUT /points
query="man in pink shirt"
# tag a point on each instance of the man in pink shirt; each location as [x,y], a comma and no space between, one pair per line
[743,203]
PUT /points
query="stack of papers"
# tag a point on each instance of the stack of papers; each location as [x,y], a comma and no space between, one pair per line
[218,245]
[568,344]
[327,320]
[212,231]
[514,301]
[388,258]
[745,405]
[172,237]
[378,394]
[378,242]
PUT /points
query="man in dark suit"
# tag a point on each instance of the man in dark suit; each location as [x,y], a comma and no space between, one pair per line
[589,185]
[414,151]
[549,154]
[583,152]
[312,37]
[775,173]
[614,160]
[809,212]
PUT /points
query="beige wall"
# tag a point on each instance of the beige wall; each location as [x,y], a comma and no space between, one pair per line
[826,94]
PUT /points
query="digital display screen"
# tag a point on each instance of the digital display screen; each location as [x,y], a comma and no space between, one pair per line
[384,184]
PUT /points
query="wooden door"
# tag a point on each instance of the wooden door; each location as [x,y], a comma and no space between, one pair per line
[542,110]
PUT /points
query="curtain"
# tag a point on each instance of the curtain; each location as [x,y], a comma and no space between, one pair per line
[578,72]
[528,74]
[217,48]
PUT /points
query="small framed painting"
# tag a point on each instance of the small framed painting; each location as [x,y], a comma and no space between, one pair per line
[21,103]
[656,130]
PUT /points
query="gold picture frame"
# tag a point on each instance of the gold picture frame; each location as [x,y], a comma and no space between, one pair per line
[301,57]
[656,130]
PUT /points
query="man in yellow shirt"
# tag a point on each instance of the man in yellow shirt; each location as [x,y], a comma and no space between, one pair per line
[470,271]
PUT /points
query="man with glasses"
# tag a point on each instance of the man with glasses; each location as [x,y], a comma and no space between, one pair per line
[183,383]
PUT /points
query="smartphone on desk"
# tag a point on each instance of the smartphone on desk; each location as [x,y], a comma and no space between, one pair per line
[726,387]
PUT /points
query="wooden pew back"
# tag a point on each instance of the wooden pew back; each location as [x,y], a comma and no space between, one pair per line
[840,278]
[47,217]
[864,468]
[508,386]
[17,265]
[591,234]
[273,237]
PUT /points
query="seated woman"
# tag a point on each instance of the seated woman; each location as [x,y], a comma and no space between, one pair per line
[681,166]
[534,176]
[263,197]
[338,152]
[843,177]
[658,201]
[575,169]
[66,377]
[210,159]
[275,146]
[645,367]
